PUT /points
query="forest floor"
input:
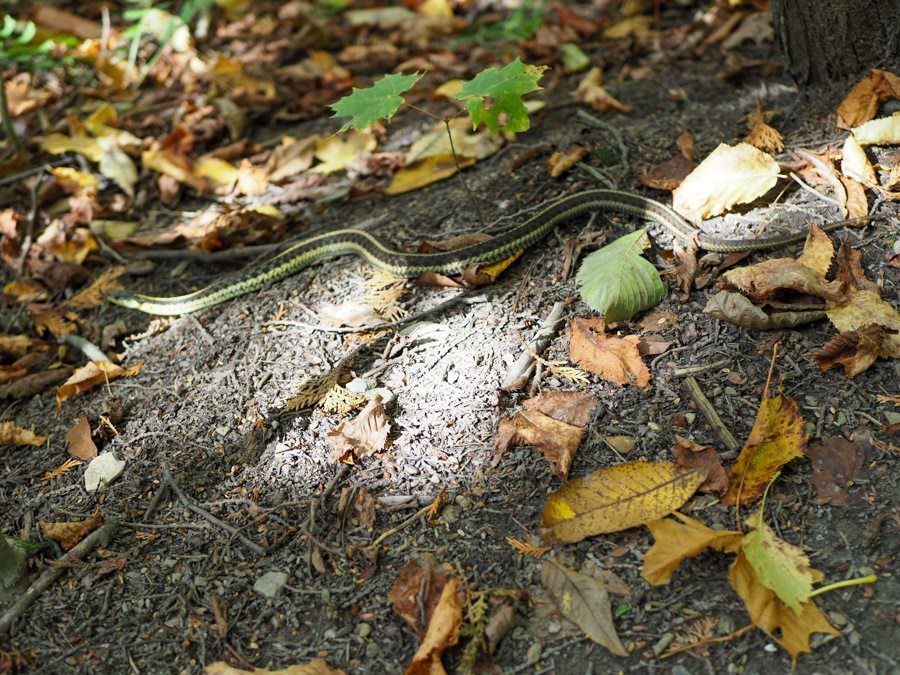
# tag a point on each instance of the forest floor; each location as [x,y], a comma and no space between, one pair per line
[172,591]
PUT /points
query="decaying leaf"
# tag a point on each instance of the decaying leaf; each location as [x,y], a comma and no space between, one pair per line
[68,534]
[864,100]
[855,350]
[730,175]
[777,437]
[616,499]
[703,459]
[590,90]
[835,463]
[679,538]
[883,131]
[760,134]
[364,435]
[668,175]
[740,310]
[554,422]
[93,295]
[584,600]
[615,359]
[94,374]
[79,442]
[12,434]
[418,589]
[861,308]
[314,667]
[560,162]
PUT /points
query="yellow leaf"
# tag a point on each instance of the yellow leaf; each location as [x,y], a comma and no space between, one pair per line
[779,566]
[674,542]
[883,131]
[94,374]
[429,170]
[442,633]
[818,251]
[436,143]
[616,499]
[638,26]
[855,164]
[790,629]
[75,181]
[336,153]
[777,437]
[12,434]
[87,147]
[591,91]
[862,307]
[729,175]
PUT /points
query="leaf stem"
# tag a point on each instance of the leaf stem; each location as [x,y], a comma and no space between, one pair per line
[871,579]
[8,126]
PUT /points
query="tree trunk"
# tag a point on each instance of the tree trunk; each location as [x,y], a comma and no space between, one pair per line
[830,41]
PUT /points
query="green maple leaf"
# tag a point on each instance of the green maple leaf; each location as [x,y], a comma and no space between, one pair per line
[366,106]
[505,88]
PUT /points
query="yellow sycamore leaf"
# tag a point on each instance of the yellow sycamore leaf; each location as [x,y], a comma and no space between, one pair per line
[12,434]
[778,565]
[789,628]
[677,540]
[777,437]
[616,499]
[730,175]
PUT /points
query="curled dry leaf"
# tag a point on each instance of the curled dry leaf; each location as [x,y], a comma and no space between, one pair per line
[68,534]
[11,434]
[417,590]
[314,667]
[364,435]
[760,134]
[863,101]
[777,437]
[740,310]
[835,463]
[584,600]
[560,162]
[616,499]
[854,350]
[94,374]
[442,633]
[615,359]
[668,175]
[679,538]
[765,280]
[591,91]
[553,422]
[883,131]
[818,251]
[855,164]
[703,459]
[730,175]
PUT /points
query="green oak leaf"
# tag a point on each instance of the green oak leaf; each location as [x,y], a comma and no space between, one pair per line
[366,106]
[617,282]
[505,110]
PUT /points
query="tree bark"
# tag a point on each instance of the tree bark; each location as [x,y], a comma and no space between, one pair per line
[830,41]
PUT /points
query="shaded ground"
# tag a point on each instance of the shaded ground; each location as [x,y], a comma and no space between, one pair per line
[208,405]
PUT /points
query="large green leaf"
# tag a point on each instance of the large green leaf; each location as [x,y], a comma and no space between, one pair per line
[617,282]
[366,106]
[495,96]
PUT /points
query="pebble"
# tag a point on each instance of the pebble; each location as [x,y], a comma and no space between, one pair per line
[372,650]
[663,643]
[364,630]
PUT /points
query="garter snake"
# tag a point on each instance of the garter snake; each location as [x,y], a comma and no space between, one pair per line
[402,264]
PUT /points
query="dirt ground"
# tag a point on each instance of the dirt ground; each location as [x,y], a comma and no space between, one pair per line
[208,406]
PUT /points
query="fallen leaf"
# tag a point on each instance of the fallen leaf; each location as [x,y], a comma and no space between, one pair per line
[765,280]
[68,534]
[314,667]
[425,172]
[818,251]
[855,164]
[761,135]
[560,162]
[790,629]
[884,131]
[703,459]
[583,600]
[364,435]
[616,499]
[677,540]
[670,174]
[292,157]
[836,463]
[418,589]
[866,97]
[862,308]
[348,313]
[442,633]
[777,437]
[730,175]
[614,359]
[854,350]
[94,374]
[79,441]
[11,434]
[553,422]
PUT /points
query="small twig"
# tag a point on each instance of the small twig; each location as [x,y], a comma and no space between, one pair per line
[193,508]
[709,412]
[812,190]
[28,239]
[402,526]
[612,131]
[99,536]
[702,368]
[707,641]
[515,377]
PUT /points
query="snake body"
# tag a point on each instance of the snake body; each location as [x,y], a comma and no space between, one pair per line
[402,264]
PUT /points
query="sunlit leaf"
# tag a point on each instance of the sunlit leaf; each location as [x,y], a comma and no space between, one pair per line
[679,538]
[366,106]
[494,96]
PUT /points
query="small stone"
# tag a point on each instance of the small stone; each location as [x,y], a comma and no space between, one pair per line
[372,650]
[553,628]
[358,385]
[364,630]
[102,471]
[270,584]
[663,643]
[533,655]
[838,619]
[463,502]
[387,396]
[329,634]
[222,431]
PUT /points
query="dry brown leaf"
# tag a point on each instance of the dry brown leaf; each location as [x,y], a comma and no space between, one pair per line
[19,345]
[417,590]
[883,131]
[760,134]
[94,295]
[554,422]
[62,469]
[857,205]
[94,374]
[777,437]
[703,459]
[679,538]
[740,310]
[583,600]
[314,667]
[364,435]
[670,174]
[818,251]
[57,323]
[616,499]
[790,629]
[863,101]
[560,162]
[765,280]
[835,463]
[442,633]
[79,442]
[615,359]
[528,549]
[34,383]
[292,157]
[730,175]
[12,434]
[854,350]
[68,534]
[591,91]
